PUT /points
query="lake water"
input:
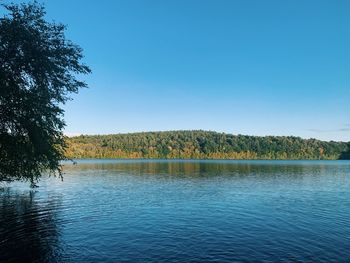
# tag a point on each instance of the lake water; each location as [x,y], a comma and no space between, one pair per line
[181,211]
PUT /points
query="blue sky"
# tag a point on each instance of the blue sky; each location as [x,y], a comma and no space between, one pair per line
[241,67]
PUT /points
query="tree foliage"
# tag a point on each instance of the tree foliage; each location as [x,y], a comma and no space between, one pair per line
[203,145]
[345,155]
[38,69]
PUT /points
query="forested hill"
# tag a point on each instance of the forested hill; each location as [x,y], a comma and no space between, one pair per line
[203,145]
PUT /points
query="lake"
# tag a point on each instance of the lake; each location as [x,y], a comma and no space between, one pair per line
[180,211]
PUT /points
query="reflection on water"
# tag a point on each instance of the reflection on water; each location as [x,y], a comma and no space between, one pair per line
[29,228]
[171,211]
[201,168]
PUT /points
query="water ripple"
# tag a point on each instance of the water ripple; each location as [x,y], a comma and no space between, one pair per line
[181,211]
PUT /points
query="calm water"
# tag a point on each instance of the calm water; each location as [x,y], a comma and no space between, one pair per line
[183,211]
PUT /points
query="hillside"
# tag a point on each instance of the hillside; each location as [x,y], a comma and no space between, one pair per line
[203,145]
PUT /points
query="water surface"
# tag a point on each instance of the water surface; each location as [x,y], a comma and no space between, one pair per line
[180,211]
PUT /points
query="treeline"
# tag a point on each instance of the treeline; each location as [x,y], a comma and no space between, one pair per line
[203,145]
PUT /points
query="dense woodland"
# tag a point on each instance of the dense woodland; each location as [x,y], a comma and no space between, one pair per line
[203,145]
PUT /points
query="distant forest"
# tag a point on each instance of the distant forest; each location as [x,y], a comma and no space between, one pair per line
[203,145]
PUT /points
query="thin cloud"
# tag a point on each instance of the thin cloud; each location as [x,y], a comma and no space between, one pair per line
[72,134]
[316,130]
[330,131]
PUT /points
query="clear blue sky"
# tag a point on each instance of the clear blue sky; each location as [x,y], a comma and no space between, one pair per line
[241,67]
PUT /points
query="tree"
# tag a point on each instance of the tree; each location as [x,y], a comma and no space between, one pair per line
[38,72]
[345,155]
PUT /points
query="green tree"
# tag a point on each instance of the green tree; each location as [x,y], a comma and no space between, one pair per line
[203,144]
[38,72]
[345,155]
